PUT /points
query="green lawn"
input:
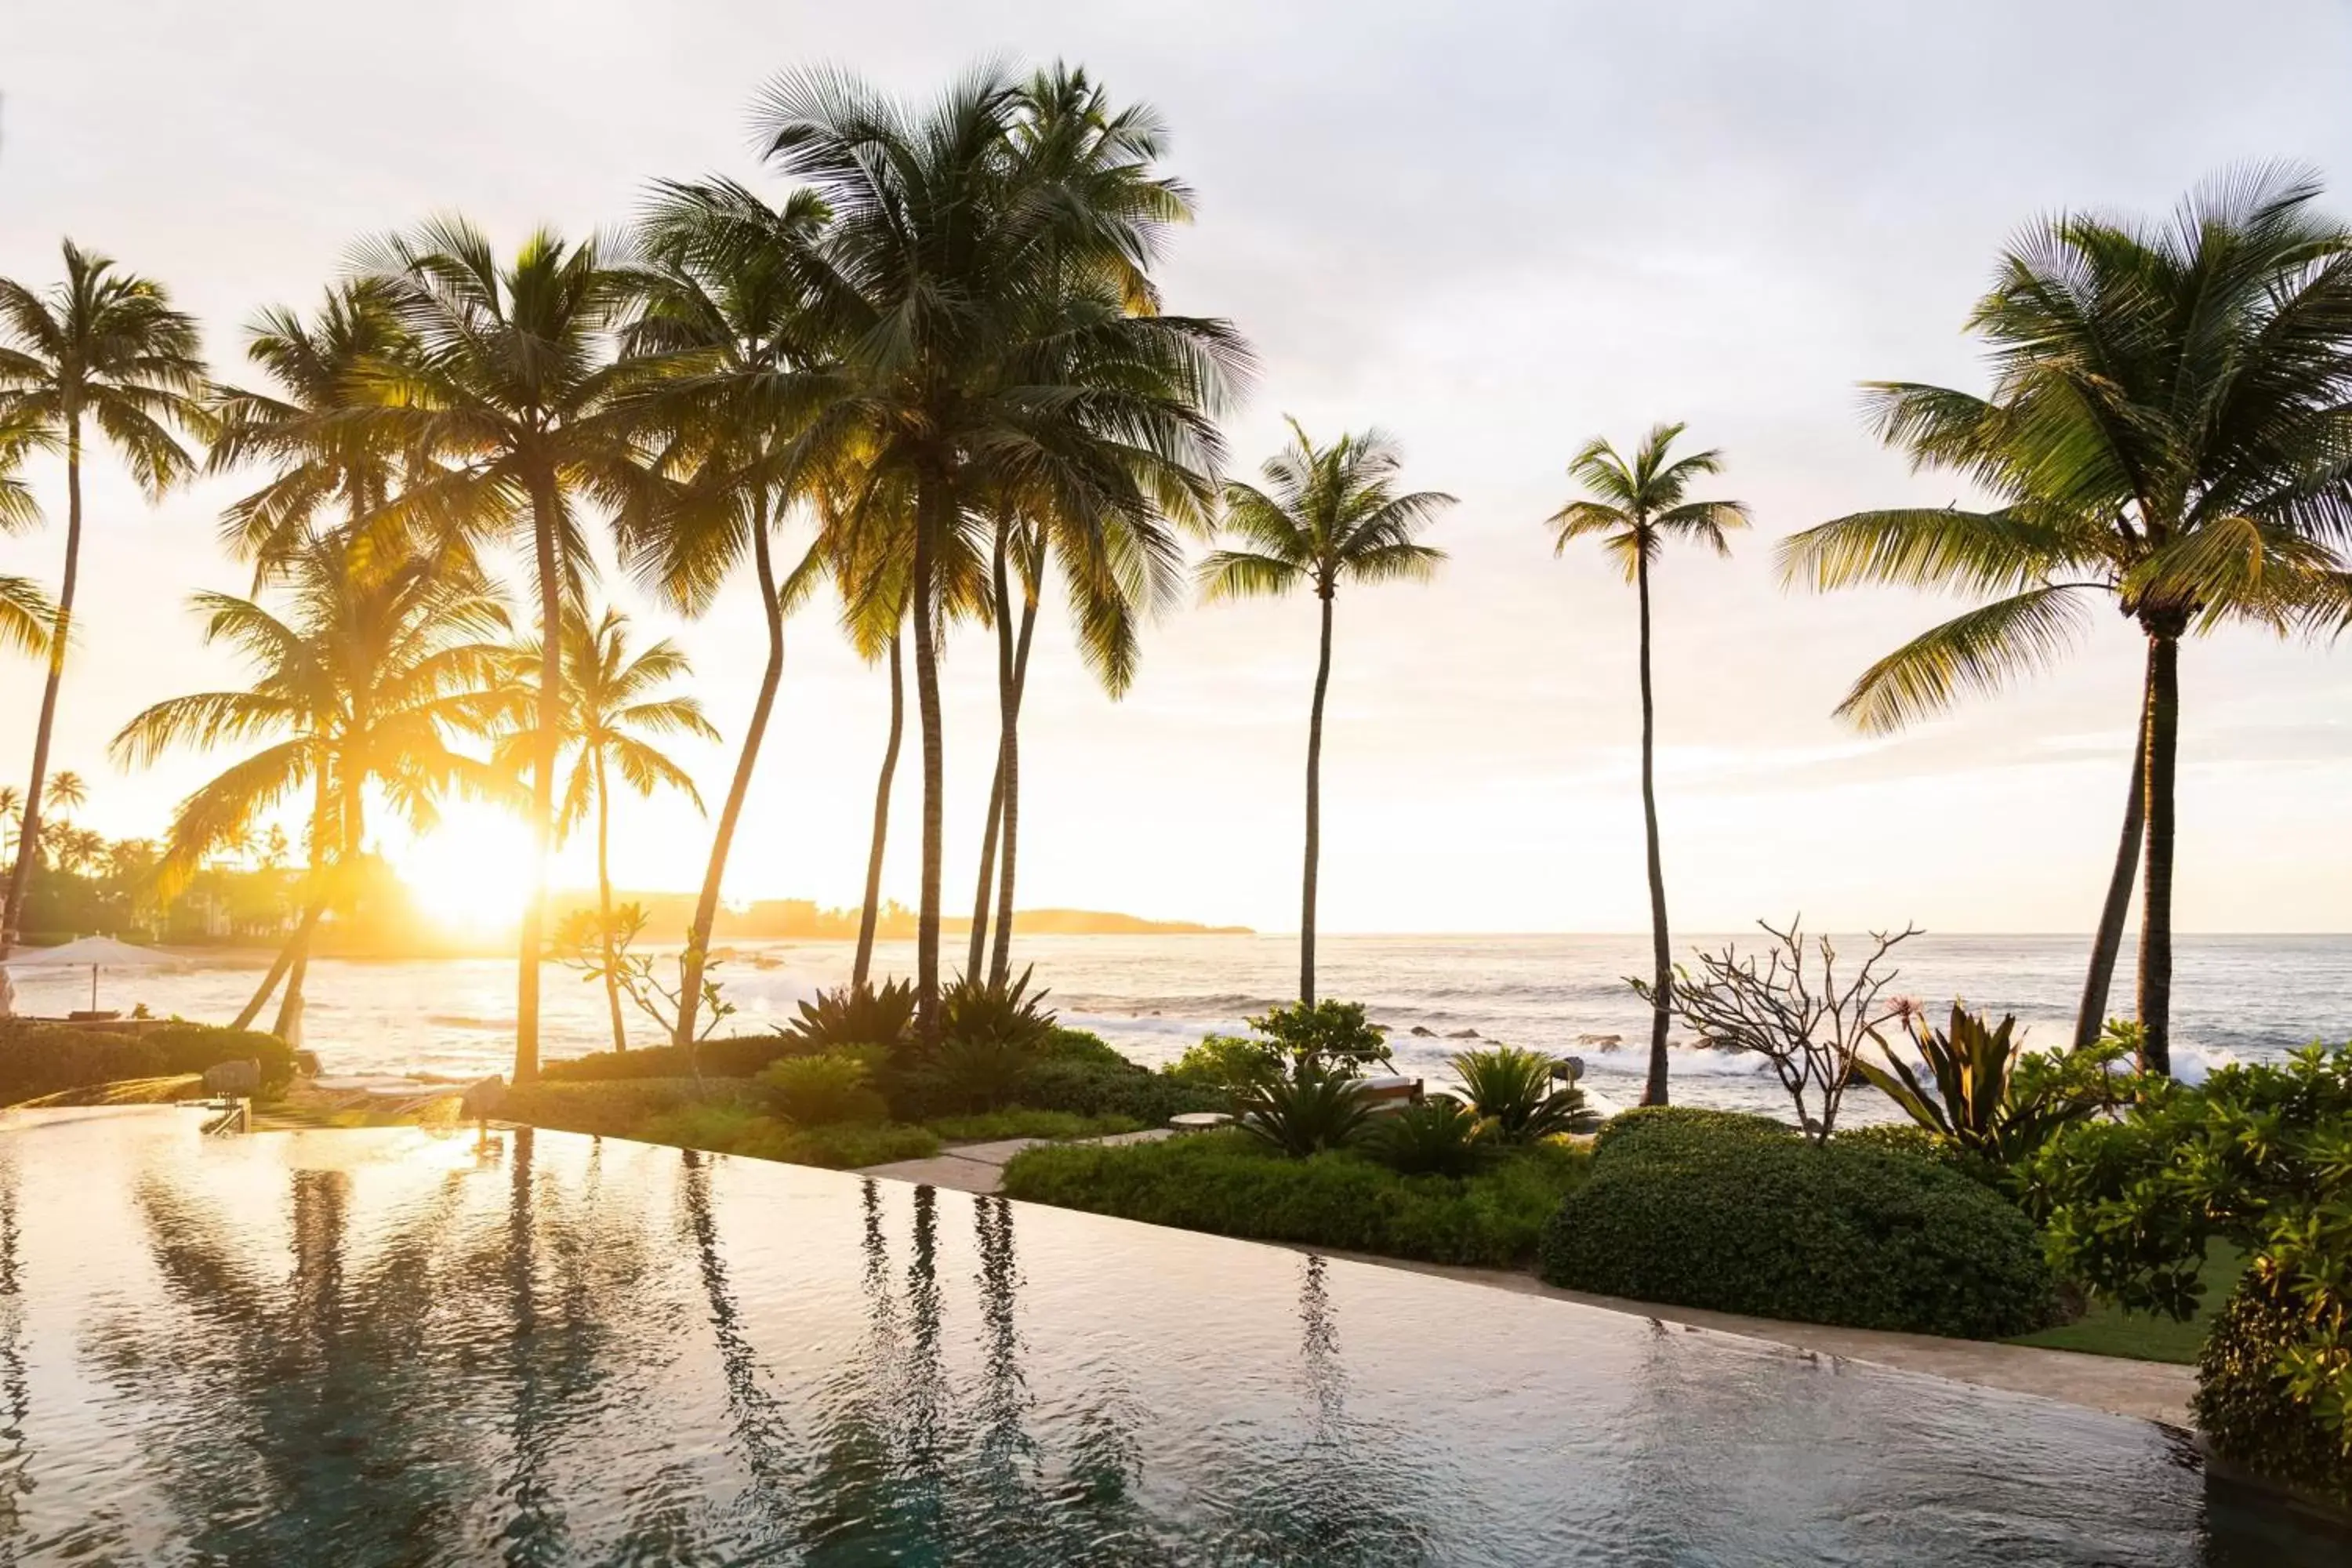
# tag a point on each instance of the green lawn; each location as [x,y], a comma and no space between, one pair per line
[2107,1329]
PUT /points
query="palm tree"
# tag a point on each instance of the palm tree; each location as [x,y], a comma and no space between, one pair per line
[1328,515]
[609,709]
[993,335]
[361,685]
[510,382]
[66,793]
[105,348]
[26,612]
[2165,425]
[1636,506]
[722,311]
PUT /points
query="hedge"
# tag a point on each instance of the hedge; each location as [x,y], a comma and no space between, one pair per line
[42,1058]
[2246,1409]
[734,1056]
[1233,1185]
[1739,1215]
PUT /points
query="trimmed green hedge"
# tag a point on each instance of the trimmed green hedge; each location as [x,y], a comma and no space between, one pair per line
[1234,1186]
[2246,1409]
[1739,1215]
[736,1056]
[42,1058]
[617,1108]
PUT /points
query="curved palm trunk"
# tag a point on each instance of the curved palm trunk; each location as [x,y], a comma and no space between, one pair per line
[722,841]
[1002,602]
[1000,961]
[544,507]
[873,910]
[2090,1018]
[28,829]
[604,908]
[289,1010]
[1662,978]
[1314,812]
[2156,918]
[294,947]
[935,508]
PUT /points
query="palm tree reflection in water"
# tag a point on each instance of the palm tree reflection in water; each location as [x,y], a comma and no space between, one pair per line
[16,1387]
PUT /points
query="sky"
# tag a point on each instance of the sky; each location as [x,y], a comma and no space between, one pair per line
[1493,230]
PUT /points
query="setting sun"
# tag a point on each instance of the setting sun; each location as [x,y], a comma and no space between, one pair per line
[472,871]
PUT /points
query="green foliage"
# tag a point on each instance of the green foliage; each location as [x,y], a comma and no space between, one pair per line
[1007,1018]
[852,1144]
[1983,1093]
[1440,1137]
[1739,1215]
[724,1116]
[1310,1110]
[833,1086]
[1227,1062]
[1328,1036]
[2261,1157]
[1513,1089]
[1020,1121]
[1091,1088]
[732,1056]
[42,1058]
[1231,1184]
[620,1107]
[978,1072]
[2248,1404]
[857,1015]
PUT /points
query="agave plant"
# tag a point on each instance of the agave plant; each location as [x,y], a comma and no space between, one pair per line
[1312,1110]
[857,1015]
[1440,1136]
[972,1010]
[1512,1089]
[1985,1097]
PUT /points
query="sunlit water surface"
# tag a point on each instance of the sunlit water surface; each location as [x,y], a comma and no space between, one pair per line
[389,1347]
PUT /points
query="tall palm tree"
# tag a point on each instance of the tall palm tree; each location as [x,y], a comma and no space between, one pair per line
[1328,515]
[610,707]
[362,682]
[103,348]
[2165,425]
[510,383]
[26,612]
[994,334]
[1635,507]
[722,310]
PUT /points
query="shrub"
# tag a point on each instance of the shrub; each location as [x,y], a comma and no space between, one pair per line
[820,1090]
[2247,1406]
[974,1012]
[43,1058]
[852,1144]
[733,1056]
[979,1072]
[1512,1089]
[1717,1212]
[1440,1137]
[1982,1093]
[1229,1185]
[617,1108]
[725,1117]
[1227,1063]
[855,1014]
[1334,1037]
[1310,1110]
[1062,1044]
[1021,1123]
[1090,1087]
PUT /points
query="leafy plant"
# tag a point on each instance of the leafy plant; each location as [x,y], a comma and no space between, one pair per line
[1313,1108]
[1331,1037]
[859,1014]
[1983,1093]
[979,1071]
[1513,1089]
[975,1011]
[1229,1062]
[817,1091]
[1022,1122]
[1439,1136]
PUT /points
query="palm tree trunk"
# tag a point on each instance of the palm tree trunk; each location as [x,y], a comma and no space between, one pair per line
[722,841]
[2090,1018]
[1000,962]
[1314,812]
[1004,617]
[935,509]
[1662,979]
[28,830]
[605,909]
[544,509]
[873,910]
[295,945]
[290,1006]
[2156,918]
[295,953]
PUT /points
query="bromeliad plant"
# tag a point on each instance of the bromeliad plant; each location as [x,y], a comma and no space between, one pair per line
[1512,1089]
[1983,1091]
[1314,1109]
[1439,1136]
[857,1014]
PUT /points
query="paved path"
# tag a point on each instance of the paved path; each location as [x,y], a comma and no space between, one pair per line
[980,1167]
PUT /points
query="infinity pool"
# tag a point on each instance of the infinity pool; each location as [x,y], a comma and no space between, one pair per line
[388,1347]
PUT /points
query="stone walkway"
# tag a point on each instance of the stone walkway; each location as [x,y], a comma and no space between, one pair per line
[2151,1391]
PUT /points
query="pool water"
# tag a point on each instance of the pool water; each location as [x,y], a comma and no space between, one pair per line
[393,1347]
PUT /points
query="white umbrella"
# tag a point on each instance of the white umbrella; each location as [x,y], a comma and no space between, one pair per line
[98,952]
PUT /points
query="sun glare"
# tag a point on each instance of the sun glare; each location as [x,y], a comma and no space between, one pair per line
[473,870]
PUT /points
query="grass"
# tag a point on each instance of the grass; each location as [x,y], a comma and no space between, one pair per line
[124,1091]
[2108,1329]
[1020,1121]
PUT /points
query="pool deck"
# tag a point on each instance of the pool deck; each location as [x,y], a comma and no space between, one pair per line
[2148,1390]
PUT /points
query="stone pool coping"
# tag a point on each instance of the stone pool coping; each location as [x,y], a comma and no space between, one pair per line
[2146,1390]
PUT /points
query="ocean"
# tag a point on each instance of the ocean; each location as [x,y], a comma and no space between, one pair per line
[2236,998]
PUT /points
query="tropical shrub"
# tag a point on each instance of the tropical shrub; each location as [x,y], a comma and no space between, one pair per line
[1739,1215]
[1227,1062]
[1438,1137]
[978,1072]
[42,1058]
[2261,1158]
[742,1130]
[1513,1089]
[975,1011]
[1329,1037]
[1232,1185]
[1312,1110]
[1981,1090]
[994,1126]
[619,1108]
[833,1086]
[859,1014]
[730,1055]
[1092,1088]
